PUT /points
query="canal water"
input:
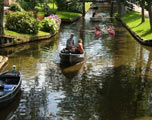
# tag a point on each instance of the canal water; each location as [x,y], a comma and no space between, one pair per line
[114,82]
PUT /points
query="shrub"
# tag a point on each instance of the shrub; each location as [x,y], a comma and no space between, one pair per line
[49,25]
[15,7]
[57,19]
[22,22]
[28,4]
[69,5]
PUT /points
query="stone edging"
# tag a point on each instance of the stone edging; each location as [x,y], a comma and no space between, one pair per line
[137,37]
[12,41]
[3,61]
[72,20]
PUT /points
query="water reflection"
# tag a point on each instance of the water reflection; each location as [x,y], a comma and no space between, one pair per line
[9,110]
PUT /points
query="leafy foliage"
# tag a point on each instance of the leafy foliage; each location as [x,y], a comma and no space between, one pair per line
[69,5]
[15,7]
[28,4]
[49,25]
[22,22]
[57,19]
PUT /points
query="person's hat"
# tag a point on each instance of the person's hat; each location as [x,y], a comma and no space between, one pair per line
[14,66]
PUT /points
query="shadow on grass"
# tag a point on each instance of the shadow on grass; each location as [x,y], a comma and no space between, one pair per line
[147,33]
[131,16]
[137,25]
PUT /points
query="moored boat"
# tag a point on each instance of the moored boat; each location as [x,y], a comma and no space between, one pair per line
[71,58]
[10,84]
[96,19]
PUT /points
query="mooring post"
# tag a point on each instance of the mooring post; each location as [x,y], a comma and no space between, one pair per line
[111,12]
[83,8]
[1,17]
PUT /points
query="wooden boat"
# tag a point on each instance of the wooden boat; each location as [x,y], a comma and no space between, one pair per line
[10,84]
[96,19]
[71,58]
[71,70]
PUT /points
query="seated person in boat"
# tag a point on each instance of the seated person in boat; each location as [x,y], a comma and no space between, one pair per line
[70,42]
[98,31]
[111,27]
[14,69]
[79,49]
[69,45]
[110,30]
[95,14]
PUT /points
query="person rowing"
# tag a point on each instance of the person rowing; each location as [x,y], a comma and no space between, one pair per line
[98,31]
[111,30]
[69,45]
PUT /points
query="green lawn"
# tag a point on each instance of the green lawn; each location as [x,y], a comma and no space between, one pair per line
[26,36]
[64,14]
[51,6]
[67,15]
[39,6]
[133,20]
[87,5]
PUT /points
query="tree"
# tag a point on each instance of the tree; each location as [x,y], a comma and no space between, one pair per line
[1,16]
[121,7]
[149,3]
[142,5]
[142,10]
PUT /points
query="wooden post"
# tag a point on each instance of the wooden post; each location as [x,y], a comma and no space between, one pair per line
[111,13]
[83,8]
[1,17]
[53,4]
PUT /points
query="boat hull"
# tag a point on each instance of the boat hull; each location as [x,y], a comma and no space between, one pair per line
[10,95]
[96,19]
[71,58]
[111,32]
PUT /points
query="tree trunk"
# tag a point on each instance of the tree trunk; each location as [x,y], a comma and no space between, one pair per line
[1,17]
[83,8]
[121,8]
[150,13]
[142,11]
[111,12]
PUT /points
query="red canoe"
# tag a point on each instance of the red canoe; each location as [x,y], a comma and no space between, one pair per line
[98,33]
[111,32]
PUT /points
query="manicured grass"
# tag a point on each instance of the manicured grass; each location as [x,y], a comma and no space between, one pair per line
[51,6]
[67,15]
[39,7]
[133,20]
[24,36]
[87,5]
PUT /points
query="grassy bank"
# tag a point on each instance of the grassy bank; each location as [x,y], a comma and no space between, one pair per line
[67,15]
[24,36]
[64,14]
[133,20]
[87,5]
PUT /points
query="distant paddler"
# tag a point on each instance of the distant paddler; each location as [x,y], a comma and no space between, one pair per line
[98,31]
[111,30]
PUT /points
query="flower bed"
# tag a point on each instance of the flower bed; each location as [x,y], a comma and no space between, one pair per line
[56,18]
